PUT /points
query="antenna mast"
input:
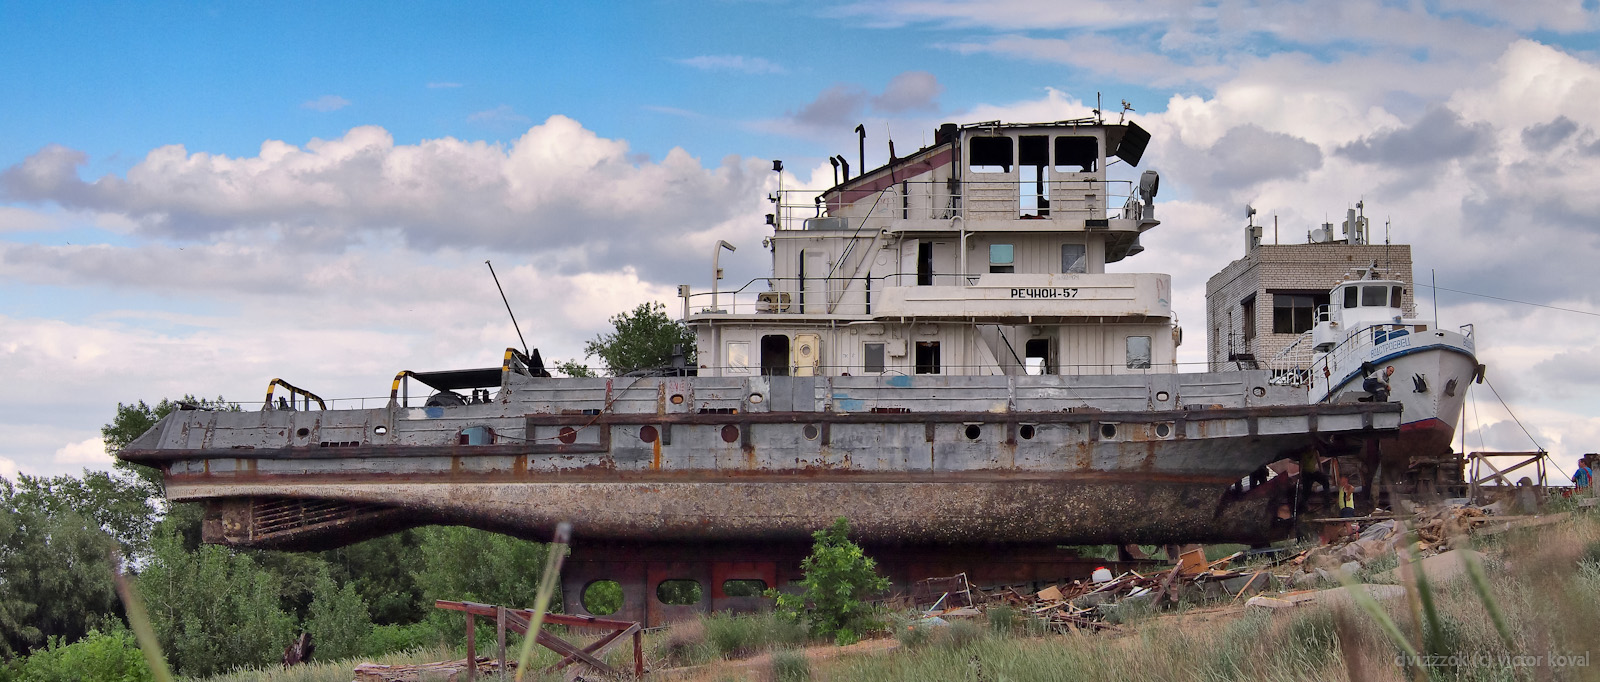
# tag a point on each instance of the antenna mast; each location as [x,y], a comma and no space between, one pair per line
[513,315]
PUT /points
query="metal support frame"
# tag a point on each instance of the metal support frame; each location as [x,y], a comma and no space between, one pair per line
[1499,476]
[518,620]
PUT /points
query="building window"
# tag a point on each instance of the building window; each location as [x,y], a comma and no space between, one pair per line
[738,357]
[1074,258]
[990,154]
[874,358]
[1077,154]
[927,357]
[1002,258]
[1249,306]
[1294,313]
[1138,352]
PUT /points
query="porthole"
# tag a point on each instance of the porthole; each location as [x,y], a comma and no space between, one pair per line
[1258,391]
[679,592]
[303,432]
[1163,430]
[677,398]
[1027,432]
[380,429]
[568,435]
[973,431]
[1162,396]
[647,434]
[730,433]
[1108,430]
[811,431]
[755,398]
[743,588]
[602,597]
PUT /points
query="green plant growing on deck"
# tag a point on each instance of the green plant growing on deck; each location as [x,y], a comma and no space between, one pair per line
[837,576]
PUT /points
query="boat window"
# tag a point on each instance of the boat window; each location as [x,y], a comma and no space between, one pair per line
[738,357]
[925,264]
[1001,258]
[990,155]
[476,435]
[1380,335]
[1350,295]
[1396,296]
[1138,352]
[873,363]
[1294,313]
[927,357]
[1036,357]
[1374,297]
[1077,154]
[1033,156]
[1074,258]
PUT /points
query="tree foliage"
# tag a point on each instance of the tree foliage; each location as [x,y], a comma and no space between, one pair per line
[837,576]
[54,580]
[338,620]
[134,419]
[212,609]
[466,564]
[641,339]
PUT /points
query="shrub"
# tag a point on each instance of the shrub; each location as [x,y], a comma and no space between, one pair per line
[960,634]
[339,622]
[685,644]
[789,665]
[113,657]
[914,636]
[388,639]
[837,575]
[1003,618]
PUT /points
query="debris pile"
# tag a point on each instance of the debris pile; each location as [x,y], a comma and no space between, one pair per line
[1439,529]
[1086,604]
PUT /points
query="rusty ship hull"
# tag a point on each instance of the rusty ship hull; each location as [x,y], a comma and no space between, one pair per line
[767,459]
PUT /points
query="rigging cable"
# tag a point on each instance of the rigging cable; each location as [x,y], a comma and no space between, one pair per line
[1510,300]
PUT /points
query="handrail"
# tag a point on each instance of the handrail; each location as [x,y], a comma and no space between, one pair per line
[941,205]
[293,391]
[394,390]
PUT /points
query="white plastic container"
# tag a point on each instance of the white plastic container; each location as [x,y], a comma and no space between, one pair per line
[1102,575]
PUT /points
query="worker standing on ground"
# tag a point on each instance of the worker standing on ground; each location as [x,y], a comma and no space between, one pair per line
[1347,498]
[1584,476]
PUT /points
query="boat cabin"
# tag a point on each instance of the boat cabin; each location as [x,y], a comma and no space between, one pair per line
[1361,304]
[982,254]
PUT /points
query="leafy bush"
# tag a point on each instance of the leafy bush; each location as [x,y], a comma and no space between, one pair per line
[837,575]
[338,621]
[100,657]
[212,609]
[389,639]
[913,636]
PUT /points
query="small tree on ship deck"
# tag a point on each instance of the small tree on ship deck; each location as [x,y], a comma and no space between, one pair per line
[643,338]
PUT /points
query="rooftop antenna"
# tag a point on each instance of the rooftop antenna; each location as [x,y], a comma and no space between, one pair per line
[1097,117]
[1386,230]
[513,315]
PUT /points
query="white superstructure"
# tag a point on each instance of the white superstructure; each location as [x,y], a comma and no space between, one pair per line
[982,254]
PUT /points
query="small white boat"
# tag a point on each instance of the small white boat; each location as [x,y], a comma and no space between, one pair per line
[1364,347]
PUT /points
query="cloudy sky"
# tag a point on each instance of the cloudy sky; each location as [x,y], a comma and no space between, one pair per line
[196,198]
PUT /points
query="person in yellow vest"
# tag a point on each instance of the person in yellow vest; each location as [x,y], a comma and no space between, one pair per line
[1346,498]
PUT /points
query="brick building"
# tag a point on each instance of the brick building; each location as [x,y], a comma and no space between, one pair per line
[1259,304]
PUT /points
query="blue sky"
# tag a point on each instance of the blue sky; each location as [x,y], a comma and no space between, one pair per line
[197,197]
